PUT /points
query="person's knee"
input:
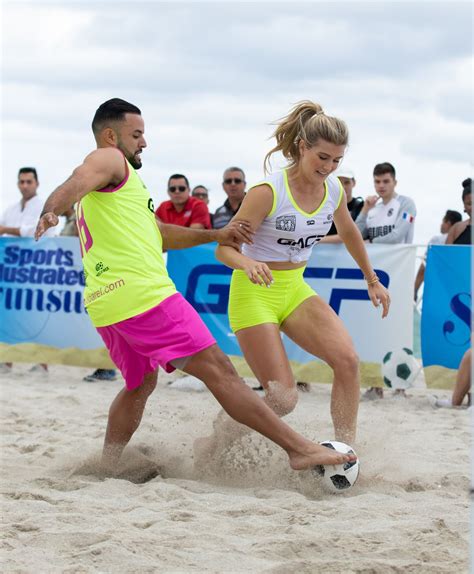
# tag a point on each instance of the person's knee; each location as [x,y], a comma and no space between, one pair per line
[281,398]
[346,362]
[149,384]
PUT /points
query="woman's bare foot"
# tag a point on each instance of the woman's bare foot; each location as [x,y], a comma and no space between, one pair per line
[317,454]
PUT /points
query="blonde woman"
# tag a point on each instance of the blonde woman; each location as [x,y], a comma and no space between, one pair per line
[291,211]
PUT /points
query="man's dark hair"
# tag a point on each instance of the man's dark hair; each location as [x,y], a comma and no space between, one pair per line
[178,176]
[28,170]
[384,167]
[112,111]
[452,216]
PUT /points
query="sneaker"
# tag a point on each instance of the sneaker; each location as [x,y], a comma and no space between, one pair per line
[5,369]
[101,375]
[372,394]
[303,387]
[38,369]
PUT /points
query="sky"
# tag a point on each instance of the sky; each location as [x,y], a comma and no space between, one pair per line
[211,78]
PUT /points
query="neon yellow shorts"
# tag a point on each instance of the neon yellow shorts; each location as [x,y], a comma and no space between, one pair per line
[251,304]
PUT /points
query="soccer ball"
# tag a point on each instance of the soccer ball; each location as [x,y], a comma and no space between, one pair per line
[340,476]
[400,369]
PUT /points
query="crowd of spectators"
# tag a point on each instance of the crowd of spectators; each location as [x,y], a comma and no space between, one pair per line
[383,217]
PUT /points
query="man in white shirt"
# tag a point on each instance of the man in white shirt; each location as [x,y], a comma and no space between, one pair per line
[21,218]
[387,217]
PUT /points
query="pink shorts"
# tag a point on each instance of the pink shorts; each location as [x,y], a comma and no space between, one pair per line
[172,330]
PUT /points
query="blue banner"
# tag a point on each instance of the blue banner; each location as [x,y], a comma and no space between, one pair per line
[41,294]
[447,305]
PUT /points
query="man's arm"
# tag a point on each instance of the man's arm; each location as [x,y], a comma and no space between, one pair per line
[10,230]
[99,169]
[178,237]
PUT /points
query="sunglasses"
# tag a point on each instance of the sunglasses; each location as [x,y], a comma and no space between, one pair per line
[200,195]
[179,188]
[230,180]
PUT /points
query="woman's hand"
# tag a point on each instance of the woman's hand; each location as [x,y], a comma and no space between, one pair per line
[379,295]
[258,272]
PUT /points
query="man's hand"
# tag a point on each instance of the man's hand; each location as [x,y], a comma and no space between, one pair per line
[369,203]
[2,230]
[46,221]
[234,234]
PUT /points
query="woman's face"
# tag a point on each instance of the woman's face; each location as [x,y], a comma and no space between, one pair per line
[320,160]
[468,204]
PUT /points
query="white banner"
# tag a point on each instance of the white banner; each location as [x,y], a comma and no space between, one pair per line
[339,282]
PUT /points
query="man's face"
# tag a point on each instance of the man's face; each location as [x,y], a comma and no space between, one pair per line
[201,193]
[385,185]
[234,184]
[130,138]
[445,226]
[348,184]
[27,185]
[178,191]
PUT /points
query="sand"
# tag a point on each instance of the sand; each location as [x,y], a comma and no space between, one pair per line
[247,513]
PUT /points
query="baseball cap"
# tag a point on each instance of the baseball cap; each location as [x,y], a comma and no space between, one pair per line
[345,172]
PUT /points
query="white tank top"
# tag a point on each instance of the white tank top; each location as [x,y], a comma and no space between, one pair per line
[288,233]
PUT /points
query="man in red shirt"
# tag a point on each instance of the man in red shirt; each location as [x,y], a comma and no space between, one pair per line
[181,208]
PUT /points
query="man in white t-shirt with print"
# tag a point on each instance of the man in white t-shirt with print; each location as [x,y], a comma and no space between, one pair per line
[387,217]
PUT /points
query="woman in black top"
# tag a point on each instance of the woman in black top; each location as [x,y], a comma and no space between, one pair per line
[460,233]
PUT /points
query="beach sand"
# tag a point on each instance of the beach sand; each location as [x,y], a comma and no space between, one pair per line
[249,512]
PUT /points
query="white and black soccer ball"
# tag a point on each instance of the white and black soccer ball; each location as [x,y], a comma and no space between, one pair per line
[400,369]
[338,477]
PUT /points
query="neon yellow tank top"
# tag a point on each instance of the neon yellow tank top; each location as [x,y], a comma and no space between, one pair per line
[121,249]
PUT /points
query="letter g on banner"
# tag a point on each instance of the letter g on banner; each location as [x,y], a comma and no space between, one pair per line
[195,288]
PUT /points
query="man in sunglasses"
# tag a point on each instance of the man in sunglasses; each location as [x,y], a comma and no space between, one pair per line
[183,209]
[234,186]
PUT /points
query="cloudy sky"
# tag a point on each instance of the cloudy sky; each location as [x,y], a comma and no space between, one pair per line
[210,77]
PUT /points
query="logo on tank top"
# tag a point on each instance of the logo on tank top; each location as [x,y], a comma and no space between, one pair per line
[100,268]
[286,222]
[151,206]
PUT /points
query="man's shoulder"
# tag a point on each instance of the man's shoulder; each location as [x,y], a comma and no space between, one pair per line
[224,208]
[196,204]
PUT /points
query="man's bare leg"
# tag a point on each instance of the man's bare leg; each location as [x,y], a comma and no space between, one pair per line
[246,407]
[125,414]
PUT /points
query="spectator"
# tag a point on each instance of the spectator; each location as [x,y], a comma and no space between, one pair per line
[234,186]
[451,217]
[460,233]
[70,227]
[354,204]
[392,219]
[181,208]
[19,220]
[201,192]
[462,387]
[389,221]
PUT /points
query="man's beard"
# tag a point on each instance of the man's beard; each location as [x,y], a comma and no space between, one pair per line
[135,162]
